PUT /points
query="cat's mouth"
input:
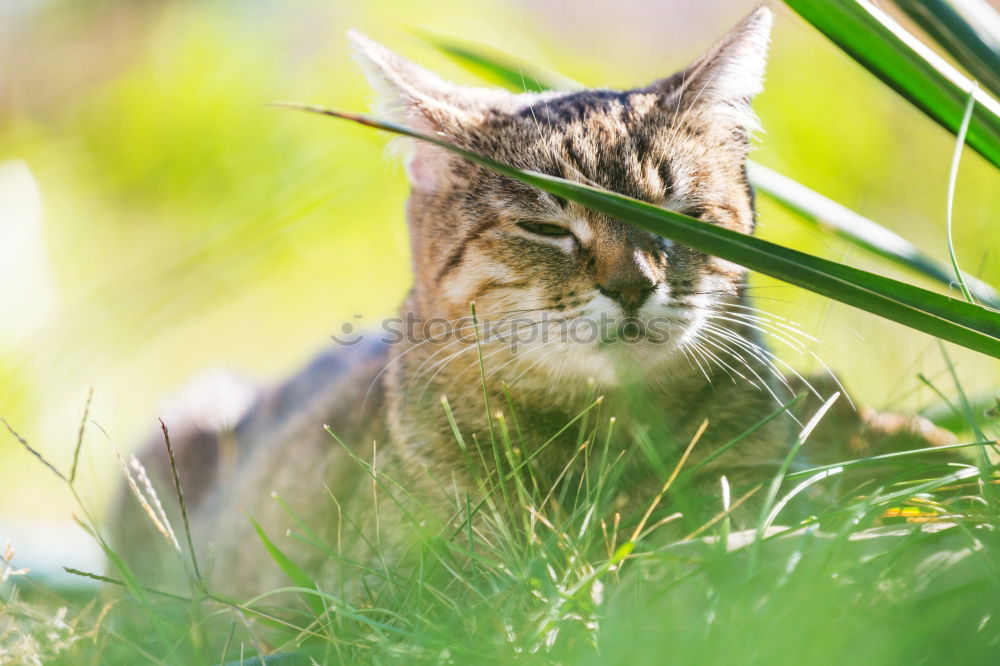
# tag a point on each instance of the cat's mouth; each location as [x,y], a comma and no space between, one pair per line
[664,329]
[628,331]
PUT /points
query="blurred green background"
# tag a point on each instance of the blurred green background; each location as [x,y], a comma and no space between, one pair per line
[158,219]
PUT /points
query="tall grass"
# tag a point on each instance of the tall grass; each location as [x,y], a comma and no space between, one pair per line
[900,565]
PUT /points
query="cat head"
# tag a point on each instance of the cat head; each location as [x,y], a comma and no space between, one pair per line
[545,265]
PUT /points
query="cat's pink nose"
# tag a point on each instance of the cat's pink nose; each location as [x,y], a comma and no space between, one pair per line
[630,293]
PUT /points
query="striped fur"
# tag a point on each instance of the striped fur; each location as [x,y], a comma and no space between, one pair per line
[680,142]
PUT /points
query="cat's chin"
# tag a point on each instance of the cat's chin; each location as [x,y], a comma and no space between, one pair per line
[608,352]
[634,362]
[608,363]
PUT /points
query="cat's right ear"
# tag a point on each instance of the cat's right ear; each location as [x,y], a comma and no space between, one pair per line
[416,98]
[722,83]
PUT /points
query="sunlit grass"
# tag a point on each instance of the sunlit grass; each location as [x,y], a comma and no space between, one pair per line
[899,571]
[178,207]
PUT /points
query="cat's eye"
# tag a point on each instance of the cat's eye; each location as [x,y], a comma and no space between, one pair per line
[544,228]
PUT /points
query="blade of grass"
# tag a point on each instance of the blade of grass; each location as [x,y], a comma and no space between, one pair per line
[982,457]
[79,436]
[926,486]
[785,408]
[962,42]
[489,410]
[339,606]
[513,459]
[33,451]
[120,583]
[983,17]
[829,215]
[952,180]
[907,66]
[229,640]
[963,323]
[290,568]
[947,416]
[179,490]
[847,464]
[797,490]
[130,581]
[669,482]
[775,485]
[724,513]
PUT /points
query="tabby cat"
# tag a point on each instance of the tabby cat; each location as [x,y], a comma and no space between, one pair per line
[571,308]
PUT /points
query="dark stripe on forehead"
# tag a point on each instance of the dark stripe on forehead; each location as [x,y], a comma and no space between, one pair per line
[489,285]
[574,156]
[458,254]
[667,178]
[575,106]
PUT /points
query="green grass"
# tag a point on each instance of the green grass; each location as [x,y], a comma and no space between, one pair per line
[898,564]
[904,569]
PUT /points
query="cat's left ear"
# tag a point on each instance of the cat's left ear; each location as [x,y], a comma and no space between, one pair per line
[420,100]
[722,83]
[406,92]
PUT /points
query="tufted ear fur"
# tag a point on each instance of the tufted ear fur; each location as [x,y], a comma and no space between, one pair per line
[406,92]
[423,101]
[724,81]
[415,98]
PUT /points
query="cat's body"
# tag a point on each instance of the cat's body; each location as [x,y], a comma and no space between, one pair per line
[533,265]
[232,474]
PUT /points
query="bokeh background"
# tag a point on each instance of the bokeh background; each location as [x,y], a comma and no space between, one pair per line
[158,219]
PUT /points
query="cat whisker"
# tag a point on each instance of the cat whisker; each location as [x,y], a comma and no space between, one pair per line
[692,347]
[478,342]
[728,369]
[687,355]
[515,357]
[419,344]
[540,359]
[779,331]
[761,327]
[503,345]
[418,372]
[760,352]
[774,321]
[708,340]
[756,351]
[769,358]
[733,353]
[447,361]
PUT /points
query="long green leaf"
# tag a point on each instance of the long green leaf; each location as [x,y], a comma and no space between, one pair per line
[845,223]
[984,406]
[963,323]
[810,206]
[983,18]
[907,66]
[290,568]
[947,27]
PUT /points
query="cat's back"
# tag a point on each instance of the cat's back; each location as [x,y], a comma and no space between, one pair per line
[279,446]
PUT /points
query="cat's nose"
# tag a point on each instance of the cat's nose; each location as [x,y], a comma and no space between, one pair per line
[630,292]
